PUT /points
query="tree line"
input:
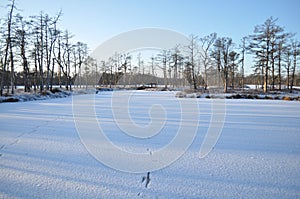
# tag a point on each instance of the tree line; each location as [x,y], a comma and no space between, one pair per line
[218,61]
[44,52]
[48,57]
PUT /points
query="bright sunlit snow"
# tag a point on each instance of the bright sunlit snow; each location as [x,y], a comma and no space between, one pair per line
[257,155]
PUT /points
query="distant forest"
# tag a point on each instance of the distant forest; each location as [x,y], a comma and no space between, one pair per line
[37,55]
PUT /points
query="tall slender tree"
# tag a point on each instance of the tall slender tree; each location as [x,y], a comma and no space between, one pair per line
[242,61]
[264,45]
[164,58]
[21,40]
[295,52]
[66,59]
[206,44]
[8,52]
[193,53]
[221,52]
[233,66]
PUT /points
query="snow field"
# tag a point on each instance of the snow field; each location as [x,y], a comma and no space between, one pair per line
[257,155]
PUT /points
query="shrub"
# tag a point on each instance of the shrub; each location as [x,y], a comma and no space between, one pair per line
[11,99]
[55,90]
[45,93]
[256,97]
[180,94]
[269,97]
[250,96]
[237,96]
[277,97]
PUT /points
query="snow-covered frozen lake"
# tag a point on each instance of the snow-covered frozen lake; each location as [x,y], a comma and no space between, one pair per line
[257,155]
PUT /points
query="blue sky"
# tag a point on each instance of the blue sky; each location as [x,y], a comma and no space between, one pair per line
[94,21]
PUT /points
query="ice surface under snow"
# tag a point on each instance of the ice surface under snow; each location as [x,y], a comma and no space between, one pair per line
[257,155]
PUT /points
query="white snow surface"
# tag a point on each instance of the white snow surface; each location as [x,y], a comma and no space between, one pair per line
[257,155]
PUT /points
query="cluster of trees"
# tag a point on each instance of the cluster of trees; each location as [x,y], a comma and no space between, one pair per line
[41,49]
[275,52]
[47,57]
[218,61]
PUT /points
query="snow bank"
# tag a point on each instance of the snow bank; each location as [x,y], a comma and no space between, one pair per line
[275,96]
[55,93]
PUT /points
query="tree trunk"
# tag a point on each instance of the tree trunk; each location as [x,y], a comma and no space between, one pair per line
[12,68]
[243,62]
[36,71]
[294,69]
[273,66]
[288,71]
[266,78]
[165,71]
[7,48]
[41,58]
[4,67]
[48,52]
[225,80]
[52,74]
[266,68]
[25,67]
[279,65]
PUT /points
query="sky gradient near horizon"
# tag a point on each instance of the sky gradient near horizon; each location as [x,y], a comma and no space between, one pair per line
[95,21]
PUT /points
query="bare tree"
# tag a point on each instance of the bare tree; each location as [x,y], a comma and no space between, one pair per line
[264,44]
[278,38]
[51,35]
[216,55]
[8,49]
[233,66]
[282,47]
[90,72]
[124,64]
[63,58]
[164,58]
[80,52]
[38,26]
[21,39]
[176,61]
[206,44]
[58,57]
[66,59]
[221,54]
[296,52]
[242,61]
[280,51]
[288,54]
[192,50]
[40,50]
[152,65]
